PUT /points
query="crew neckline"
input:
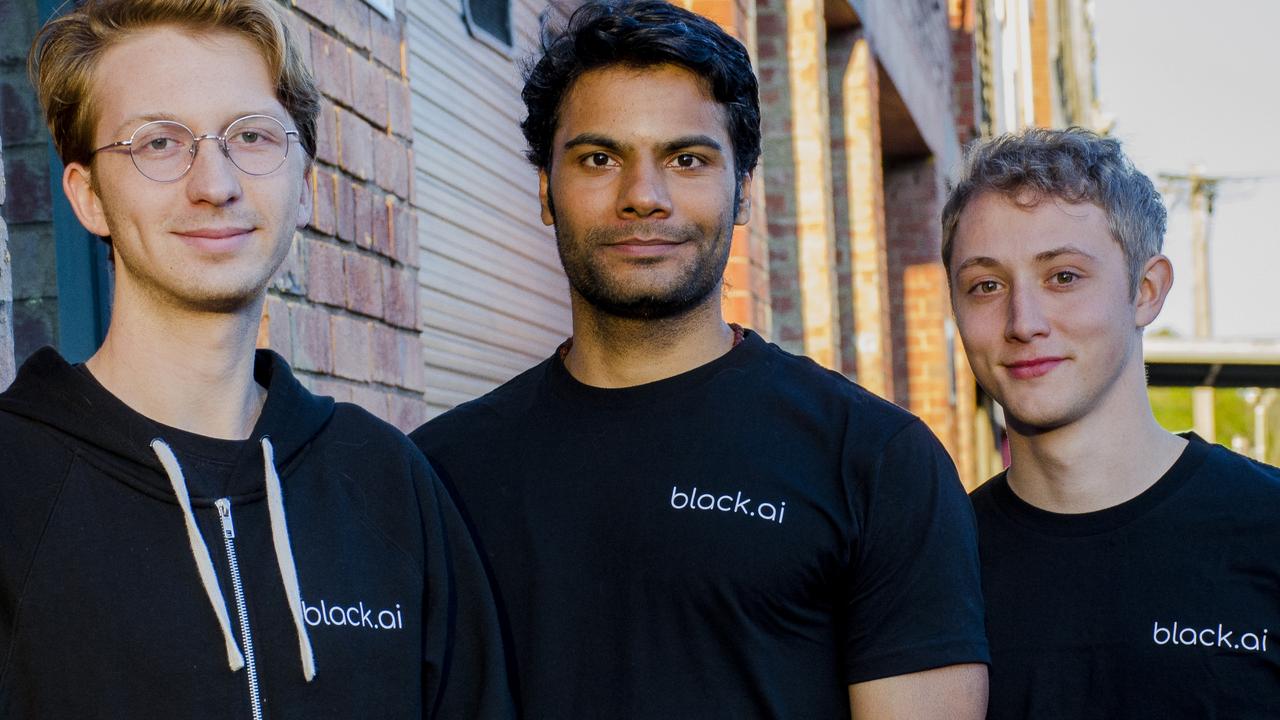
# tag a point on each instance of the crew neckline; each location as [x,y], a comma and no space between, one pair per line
[1107,519]
[565,386]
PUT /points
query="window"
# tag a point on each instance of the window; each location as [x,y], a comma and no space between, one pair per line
[489,21]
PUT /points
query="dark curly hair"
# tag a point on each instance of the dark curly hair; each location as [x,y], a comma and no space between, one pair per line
[641,34]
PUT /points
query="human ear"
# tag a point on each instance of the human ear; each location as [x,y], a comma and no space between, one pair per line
[1153,288]
[742,213]
[77,183]
[305,197]
[544,196]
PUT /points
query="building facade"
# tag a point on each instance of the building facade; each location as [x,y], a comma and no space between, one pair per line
[426,277]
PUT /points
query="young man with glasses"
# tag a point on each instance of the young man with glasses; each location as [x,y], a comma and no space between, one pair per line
[1128,572]
[185,531]
[682,520]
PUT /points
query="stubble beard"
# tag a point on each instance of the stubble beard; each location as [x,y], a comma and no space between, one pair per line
[694,283]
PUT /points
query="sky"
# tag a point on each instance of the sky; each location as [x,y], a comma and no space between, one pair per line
[1189,81]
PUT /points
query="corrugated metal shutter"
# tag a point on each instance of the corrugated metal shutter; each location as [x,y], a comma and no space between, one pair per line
[494,300]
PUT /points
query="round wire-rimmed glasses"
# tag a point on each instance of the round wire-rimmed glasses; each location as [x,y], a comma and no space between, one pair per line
[164,150]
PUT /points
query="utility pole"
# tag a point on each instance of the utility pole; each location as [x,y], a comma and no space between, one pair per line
[1203,190]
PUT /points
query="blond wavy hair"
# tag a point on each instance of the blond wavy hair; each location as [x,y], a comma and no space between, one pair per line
[1075,165]
[68,48]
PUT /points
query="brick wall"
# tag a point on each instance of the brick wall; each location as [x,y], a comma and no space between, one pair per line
[791,35]
[6,291]
[858,186]
[965,90]
[344,308]
[746,279]
[29,209]
[921,311]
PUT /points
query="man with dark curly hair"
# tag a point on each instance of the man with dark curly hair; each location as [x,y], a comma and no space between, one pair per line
[1128,572]
[682,520]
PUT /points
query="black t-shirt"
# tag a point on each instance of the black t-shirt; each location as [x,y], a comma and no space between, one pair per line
[743,540]
[208,463]
[1166,606]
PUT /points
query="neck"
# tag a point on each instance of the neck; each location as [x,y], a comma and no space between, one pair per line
[186,369]
[1107,457]
[612,352]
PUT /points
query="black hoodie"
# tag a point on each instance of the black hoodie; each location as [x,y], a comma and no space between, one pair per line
[117,601]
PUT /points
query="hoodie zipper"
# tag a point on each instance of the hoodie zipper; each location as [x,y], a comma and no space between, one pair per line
[228,537]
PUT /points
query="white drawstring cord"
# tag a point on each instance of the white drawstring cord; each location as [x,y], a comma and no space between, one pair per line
[284,559]
[200,551]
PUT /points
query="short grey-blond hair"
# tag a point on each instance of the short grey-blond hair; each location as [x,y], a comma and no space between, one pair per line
[1075,165]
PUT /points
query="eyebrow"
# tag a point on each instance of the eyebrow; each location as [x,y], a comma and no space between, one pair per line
[977,261]
[137,121]
[608,143]
[1046,256]
[141,119]
[1058,252]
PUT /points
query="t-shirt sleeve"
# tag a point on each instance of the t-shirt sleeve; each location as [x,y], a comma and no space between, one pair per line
[464,671]
[914,597]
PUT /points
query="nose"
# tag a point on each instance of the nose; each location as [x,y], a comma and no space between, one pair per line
[644,192]
[1026,318]
[213,178]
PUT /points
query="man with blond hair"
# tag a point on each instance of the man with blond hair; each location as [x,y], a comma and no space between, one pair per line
[1128,572]
[147,569]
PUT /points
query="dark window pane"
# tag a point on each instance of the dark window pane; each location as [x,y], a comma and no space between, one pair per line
[491,16]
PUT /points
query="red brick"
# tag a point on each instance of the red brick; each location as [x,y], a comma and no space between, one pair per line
[404,238]
[324,274]
[311,343]
[381,225]
[335,389]
[355,144]
[291,276]
[364,283]
[321,10]
[400,293]
[350,347]
[400,106]
[332,66]
[300,34]
[346,210]
[276,322]
[412,372]
[385,36]
[391,163]
[371,399]
[351,19]
[386,355]
[406,412]
[363,203]
[324,213]
[369,87]
[327,133]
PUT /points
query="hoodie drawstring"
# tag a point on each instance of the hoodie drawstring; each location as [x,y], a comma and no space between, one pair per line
[279,539]
[200,551]
[284,559]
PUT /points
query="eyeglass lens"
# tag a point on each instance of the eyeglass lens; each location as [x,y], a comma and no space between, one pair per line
[164,151]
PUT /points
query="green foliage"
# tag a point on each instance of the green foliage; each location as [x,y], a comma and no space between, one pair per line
[1231,414]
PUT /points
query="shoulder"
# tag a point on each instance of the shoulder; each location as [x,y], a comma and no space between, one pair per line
[356,437]
[798,380]
[1241,478]
[30,449]
[487,414]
